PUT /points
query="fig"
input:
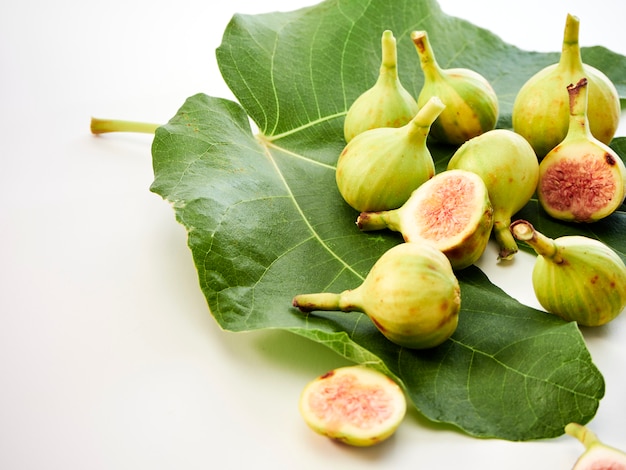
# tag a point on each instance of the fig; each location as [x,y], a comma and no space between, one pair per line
[452,210]
[387,103]
[355,405]
[471,102]
[508,165]
[541,107]
[575,277]
[581,179]
[597,455]
[379,168]
[411,295]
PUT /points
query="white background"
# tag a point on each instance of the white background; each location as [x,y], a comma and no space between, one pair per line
[109,358]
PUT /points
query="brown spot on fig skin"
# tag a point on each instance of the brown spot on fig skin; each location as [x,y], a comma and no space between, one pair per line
[328,375]
[609,159]
[594,279]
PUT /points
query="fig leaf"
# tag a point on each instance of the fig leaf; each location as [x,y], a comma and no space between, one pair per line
[265,220]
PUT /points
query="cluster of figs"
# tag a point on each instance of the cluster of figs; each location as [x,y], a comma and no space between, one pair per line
[563,120]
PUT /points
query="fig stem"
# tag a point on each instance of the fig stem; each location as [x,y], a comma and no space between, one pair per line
[327,301]
[543,246]
[571,58]
[578,121]
[389,61]
[429,112]
[583,434]
[102,126]
[368,221]
[428,61]
[504,238]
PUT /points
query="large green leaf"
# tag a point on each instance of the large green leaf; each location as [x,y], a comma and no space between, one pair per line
[265,220]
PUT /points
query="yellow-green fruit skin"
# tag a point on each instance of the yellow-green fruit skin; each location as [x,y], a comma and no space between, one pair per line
[379,107]
[588,287]
[387,103]
[413,296]
[380,168]
[505,162]
[541,108]
[471,105]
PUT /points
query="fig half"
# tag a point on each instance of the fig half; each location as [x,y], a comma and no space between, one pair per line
[452,210]
[356,405]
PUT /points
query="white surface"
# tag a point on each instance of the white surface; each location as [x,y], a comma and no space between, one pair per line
[109,358]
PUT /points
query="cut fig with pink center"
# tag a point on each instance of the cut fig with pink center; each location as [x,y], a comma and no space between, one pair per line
[581,188]
[581,179]
[452,210]
[355,405]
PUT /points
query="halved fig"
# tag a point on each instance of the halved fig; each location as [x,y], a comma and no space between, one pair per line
[356,405]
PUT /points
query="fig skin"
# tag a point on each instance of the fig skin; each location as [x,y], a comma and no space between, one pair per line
[379,168]
[387,103]
[574,277]
[411,295]
[541,107]
[471,102]
[452,210]
[581,179]
[328,405]
[508,165]
[597,455]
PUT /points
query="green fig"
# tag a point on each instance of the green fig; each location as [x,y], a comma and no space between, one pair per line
[355,405]
[597,455]
[581,179]
[575,277]
[387,103]
[471,102]
[452,210]
[508,165]
[379,168]
[411,295]
[541,107]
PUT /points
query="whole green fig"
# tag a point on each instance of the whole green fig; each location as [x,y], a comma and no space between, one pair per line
[574,277]
[508,165]
[471,102]
[452,210]
[541,108]
[379,168]
[411,294]
[327,405]
[387,103]
[597,455]
[581,179]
